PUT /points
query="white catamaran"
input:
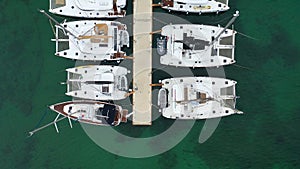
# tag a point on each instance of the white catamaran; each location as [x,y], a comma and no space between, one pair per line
[97,82]
[197,98]
[195,6]
[190,45]
[90,40]
[89,8]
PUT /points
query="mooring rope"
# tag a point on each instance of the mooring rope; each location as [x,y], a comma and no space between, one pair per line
[39,123]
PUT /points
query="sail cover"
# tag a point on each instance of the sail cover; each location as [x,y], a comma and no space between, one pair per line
[99,5]
[193,1]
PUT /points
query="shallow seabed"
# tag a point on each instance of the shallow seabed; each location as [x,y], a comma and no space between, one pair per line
[267,71]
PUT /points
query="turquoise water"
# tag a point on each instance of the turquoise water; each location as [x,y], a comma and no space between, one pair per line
[266,136]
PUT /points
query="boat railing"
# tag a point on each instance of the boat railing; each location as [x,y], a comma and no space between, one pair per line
[61,39]
[223,1]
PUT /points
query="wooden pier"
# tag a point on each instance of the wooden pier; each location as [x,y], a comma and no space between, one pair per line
[142,62]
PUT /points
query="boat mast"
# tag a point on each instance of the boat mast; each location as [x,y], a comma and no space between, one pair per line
[55,21]
[237,13]
[53,122]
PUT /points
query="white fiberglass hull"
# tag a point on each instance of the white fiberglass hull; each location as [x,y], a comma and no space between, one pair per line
[97,82]
[191,45]
[88,8]
[91,40]
[199,7]
[91,112]
[197,98]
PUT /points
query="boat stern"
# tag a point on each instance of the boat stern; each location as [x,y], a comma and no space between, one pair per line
[222,5]
[167,3]
[56,5]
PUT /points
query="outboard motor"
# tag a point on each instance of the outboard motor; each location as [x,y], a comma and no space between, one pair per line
[161,45]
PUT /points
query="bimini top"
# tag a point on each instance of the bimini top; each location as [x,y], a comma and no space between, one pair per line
[197,98]
[190,45]
[89,8]
[91,40]
[97,82]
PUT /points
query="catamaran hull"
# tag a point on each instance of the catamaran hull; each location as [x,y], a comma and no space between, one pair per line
[80,43]
[97,82]
[197,98]
[75,9]
[191,45]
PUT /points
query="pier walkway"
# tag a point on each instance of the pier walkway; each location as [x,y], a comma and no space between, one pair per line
[142,62]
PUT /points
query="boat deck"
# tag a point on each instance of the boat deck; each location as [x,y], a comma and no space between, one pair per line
[60,2]
[142,63]
[223,1]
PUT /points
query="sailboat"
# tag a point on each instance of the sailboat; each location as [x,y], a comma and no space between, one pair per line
[97,82]
[193,45]
[91,112]
[195,6]
[197,98]
[88,112]
[89,8]
[90,40]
